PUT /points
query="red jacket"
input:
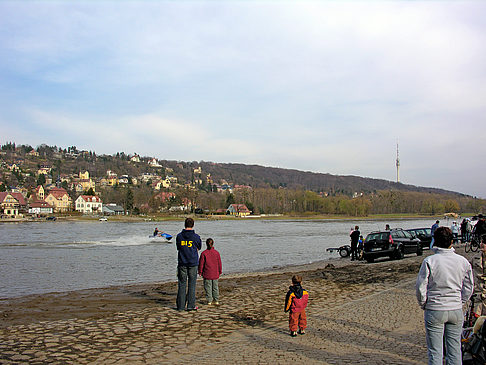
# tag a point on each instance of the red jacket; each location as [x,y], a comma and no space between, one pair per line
[296,299]
[210,266]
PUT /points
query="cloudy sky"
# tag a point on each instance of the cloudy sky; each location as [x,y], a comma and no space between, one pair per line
[323,86]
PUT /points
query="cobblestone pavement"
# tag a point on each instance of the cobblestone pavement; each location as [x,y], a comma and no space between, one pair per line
[362,313]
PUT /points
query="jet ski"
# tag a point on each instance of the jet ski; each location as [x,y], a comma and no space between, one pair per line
[161,236]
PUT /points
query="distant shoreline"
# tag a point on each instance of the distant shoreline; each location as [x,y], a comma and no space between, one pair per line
[130,219]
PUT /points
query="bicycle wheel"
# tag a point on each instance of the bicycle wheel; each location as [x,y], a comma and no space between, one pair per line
[474,244]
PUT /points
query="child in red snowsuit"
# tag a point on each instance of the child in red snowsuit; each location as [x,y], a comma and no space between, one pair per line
[295,303]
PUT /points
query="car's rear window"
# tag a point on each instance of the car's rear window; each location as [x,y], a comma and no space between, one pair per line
[398,234]
[377,236]
[407,234]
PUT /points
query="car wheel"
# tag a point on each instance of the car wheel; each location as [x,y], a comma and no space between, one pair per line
[399,255]
[343,252]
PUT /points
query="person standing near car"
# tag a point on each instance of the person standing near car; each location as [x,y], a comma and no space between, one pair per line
[432,230]
[354,243]
[188,244]
[444,283]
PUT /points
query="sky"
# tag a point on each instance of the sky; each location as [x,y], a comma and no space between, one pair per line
[322,86]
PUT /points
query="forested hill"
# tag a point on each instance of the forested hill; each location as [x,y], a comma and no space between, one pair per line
[72,161]
[260,176]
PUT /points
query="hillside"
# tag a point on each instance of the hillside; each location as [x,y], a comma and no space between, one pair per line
[260,176]
[152,185]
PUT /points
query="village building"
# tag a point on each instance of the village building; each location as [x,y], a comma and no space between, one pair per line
[59,199]
[40,193]
[135,158]
[12,204]
[154,163]
[238,210]
[44,170]
[113,209]
[89,204]
[40,208]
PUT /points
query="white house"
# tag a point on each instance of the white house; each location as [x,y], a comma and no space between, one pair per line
[40,208]
[88,204]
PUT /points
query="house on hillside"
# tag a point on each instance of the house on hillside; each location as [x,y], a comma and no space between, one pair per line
[88,204]
[40,208]
[154,163]
[59,199]
[11,204]
[44,170]
[238,210]
[40,193]
[113,209]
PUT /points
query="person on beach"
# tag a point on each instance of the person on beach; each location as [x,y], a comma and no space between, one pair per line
[464,230]
[295,302]
[360,248]
[444,283]
[188,244]
[354,243]
[210,268]
[432,230]
[455,232]
[480,226]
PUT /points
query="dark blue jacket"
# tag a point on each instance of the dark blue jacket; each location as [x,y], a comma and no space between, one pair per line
[188,243]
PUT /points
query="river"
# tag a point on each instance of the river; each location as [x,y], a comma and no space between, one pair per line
[45,257]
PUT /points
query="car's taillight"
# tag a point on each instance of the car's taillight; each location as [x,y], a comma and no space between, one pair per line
[390,240]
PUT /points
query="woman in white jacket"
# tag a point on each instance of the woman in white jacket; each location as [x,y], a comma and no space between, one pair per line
[444,283]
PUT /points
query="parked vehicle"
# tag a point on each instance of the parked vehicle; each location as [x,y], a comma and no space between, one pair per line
[103,219]
[423,234]
[344,251]
[51,218]
[394,244]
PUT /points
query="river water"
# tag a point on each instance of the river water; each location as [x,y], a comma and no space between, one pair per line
[48,257]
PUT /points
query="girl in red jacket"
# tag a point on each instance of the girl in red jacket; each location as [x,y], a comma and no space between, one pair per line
[210,269]
[296,302]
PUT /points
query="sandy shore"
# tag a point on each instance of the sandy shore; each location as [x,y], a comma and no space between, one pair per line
[358,313]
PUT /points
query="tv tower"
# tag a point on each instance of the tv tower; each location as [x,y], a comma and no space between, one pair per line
[398,165]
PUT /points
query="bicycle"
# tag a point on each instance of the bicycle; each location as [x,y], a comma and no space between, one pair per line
[467,328]
[474,244]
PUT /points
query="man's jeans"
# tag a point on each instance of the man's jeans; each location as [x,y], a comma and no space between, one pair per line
[443,328]
[187,276]
[212,290]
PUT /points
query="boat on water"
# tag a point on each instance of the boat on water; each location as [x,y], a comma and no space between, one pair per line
[161,236]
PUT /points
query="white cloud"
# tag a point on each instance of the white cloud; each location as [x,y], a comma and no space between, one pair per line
[323,86]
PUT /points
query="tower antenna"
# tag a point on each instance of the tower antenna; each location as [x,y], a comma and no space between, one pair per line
[398,165]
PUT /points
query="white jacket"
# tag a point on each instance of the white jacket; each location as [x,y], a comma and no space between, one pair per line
[445,281]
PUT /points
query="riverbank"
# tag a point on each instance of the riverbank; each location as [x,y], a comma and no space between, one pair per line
[358,313]
[162,218]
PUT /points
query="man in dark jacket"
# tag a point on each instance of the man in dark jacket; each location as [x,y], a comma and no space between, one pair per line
[480,227]
[354,243]
[188,243]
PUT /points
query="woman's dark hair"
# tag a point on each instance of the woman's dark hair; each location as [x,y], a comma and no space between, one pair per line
[443,237]
[209,243]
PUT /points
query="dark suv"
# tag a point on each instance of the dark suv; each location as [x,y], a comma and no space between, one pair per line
[394,244]
[423,234]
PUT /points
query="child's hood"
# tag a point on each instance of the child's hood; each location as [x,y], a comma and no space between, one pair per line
[297,290]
